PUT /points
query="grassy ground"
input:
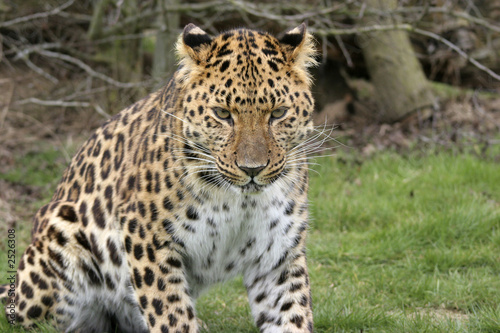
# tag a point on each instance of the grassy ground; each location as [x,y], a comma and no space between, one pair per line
[397,244]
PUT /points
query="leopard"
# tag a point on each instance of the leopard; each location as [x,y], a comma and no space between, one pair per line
[202,181]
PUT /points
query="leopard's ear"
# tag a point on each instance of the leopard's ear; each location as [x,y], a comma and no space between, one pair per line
[298,45]
[294,37]
[193,36]
[193,43]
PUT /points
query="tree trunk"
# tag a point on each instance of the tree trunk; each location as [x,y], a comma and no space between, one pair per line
[400,84]
[164,62]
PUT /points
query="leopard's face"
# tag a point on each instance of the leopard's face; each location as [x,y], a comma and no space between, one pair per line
[247,108]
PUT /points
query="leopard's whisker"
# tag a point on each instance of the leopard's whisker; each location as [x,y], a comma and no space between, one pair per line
[192,158]
[299,162]
[307,165]
[311,149]
[310,157]
[173,115]
[314,139]
[186,141]
[216,182]
[310,160]
[194,167]
[305,142]
[201,150]
[197,145]
[281,181]
[193,172]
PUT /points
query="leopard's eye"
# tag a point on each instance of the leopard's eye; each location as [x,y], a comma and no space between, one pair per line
[279,113]
[222,113]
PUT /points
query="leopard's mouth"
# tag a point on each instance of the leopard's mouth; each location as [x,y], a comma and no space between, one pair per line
[252,187]
[213,178]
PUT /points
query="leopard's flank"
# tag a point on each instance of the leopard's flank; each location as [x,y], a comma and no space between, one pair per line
[199,182]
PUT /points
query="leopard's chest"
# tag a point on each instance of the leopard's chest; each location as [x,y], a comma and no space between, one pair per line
[235,234]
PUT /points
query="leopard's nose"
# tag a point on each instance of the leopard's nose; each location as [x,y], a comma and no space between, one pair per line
[252,171]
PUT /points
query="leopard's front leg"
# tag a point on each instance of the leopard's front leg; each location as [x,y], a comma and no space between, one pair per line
[158,279]
[281,299]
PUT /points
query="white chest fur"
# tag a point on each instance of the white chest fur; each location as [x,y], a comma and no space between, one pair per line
[235,234]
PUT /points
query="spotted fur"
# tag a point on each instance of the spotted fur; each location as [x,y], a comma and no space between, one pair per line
[201,181]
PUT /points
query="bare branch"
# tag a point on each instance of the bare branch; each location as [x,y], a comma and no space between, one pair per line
[346,54]
[34,100]
[64,104]
[86,68]
[24,56]
[22,53]
[467,17]
[75,16]
[409,28]
[100,110]
[40,71]
[119,37]
[37,15]
[146,15]
[254,10]
[444,10]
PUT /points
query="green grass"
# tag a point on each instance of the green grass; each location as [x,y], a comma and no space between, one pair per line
[397,244]
[395,235]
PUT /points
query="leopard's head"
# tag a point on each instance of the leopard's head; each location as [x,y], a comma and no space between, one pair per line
[247,103]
